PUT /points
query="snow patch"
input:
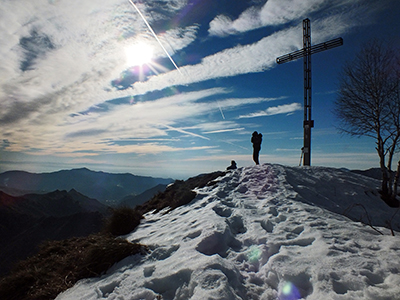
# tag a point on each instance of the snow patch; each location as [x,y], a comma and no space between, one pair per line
[264,232]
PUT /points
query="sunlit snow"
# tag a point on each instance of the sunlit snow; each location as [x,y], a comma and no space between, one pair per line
[263,232]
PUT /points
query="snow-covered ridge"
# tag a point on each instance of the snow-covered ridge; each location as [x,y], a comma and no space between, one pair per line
[263,232]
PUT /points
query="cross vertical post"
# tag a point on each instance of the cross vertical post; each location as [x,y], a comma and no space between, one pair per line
[308,122]
[306,53]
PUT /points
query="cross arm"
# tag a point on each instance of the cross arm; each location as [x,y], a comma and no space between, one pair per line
[314,49]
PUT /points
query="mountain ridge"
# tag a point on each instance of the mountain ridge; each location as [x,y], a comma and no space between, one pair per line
[107,188]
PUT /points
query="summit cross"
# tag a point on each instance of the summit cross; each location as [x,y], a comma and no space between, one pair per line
[306,52]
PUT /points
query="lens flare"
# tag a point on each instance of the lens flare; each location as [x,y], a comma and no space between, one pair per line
[289,292]
[254,254]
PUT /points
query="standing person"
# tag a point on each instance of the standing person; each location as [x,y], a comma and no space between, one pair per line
[256,139]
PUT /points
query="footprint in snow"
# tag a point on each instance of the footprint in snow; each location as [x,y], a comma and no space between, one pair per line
[242,189]
[193,235]
[267,225]
[222,211]
[236,224]
[273,211]
[162,253]
[294,233]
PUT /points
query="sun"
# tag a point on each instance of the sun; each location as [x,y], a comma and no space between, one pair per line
[138,54]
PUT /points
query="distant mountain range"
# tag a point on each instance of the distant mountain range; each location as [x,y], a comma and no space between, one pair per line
[26,221]
[105,187]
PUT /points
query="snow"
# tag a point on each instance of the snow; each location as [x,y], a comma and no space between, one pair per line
[263,232]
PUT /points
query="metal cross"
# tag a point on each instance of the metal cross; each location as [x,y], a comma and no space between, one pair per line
[306,52]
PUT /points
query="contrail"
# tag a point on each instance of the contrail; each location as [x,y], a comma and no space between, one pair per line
[220,109]
[184,131]
[165,50]
[155,36]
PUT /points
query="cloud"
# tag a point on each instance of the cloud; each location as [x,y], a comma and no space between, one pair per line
[273,13]
[257,57]
[85,133]
[243,59]
[140,127]
[225,130]
[88,55]
[275,110]
[151,148]
[58,58]
[218,127]
[186,132]
[287,150]
[68,52]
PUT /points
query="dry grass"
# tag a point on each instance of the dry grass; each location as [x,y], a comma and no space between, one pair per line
[60,264]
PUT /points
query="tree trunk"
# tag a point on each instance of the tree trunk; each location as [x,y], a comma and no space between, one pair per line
[389,170]
[385,181]
[396,180]
[384,170]
[393,145]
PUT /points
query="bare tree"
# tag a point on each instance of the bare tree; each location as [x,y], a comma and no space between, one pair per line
[368,103]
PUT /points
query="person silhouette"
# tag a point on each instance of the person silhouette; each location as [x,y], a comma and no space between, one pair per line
[233,166]
[256,139]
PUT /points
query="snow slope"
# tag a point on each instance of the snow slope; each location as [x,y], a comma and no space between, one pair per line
[263,232]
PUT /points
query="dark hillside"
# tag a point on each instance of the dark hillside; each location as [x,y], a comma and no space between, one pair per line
[27,221]
[179,193]
[375,173]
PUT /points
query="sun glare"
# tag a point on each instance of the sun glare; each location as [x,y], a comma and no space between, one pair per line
[138,54]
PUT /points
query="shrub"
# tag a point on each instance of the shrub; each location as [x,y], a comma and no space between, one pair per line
[123,221]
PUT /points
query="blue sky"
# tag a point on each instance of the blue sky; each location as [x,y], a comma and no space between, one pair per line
[71,95]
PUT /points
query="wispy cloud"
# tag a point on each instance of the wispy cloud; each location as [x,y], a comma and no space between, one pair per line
[140,124]
[275,110]
[252,58]
[186,132]
[225,130]
[273,13]
[211,127]
[287,150]
[87,53]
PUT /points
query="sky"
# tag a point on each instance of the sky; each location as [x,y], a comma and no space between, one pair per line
[176,88]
